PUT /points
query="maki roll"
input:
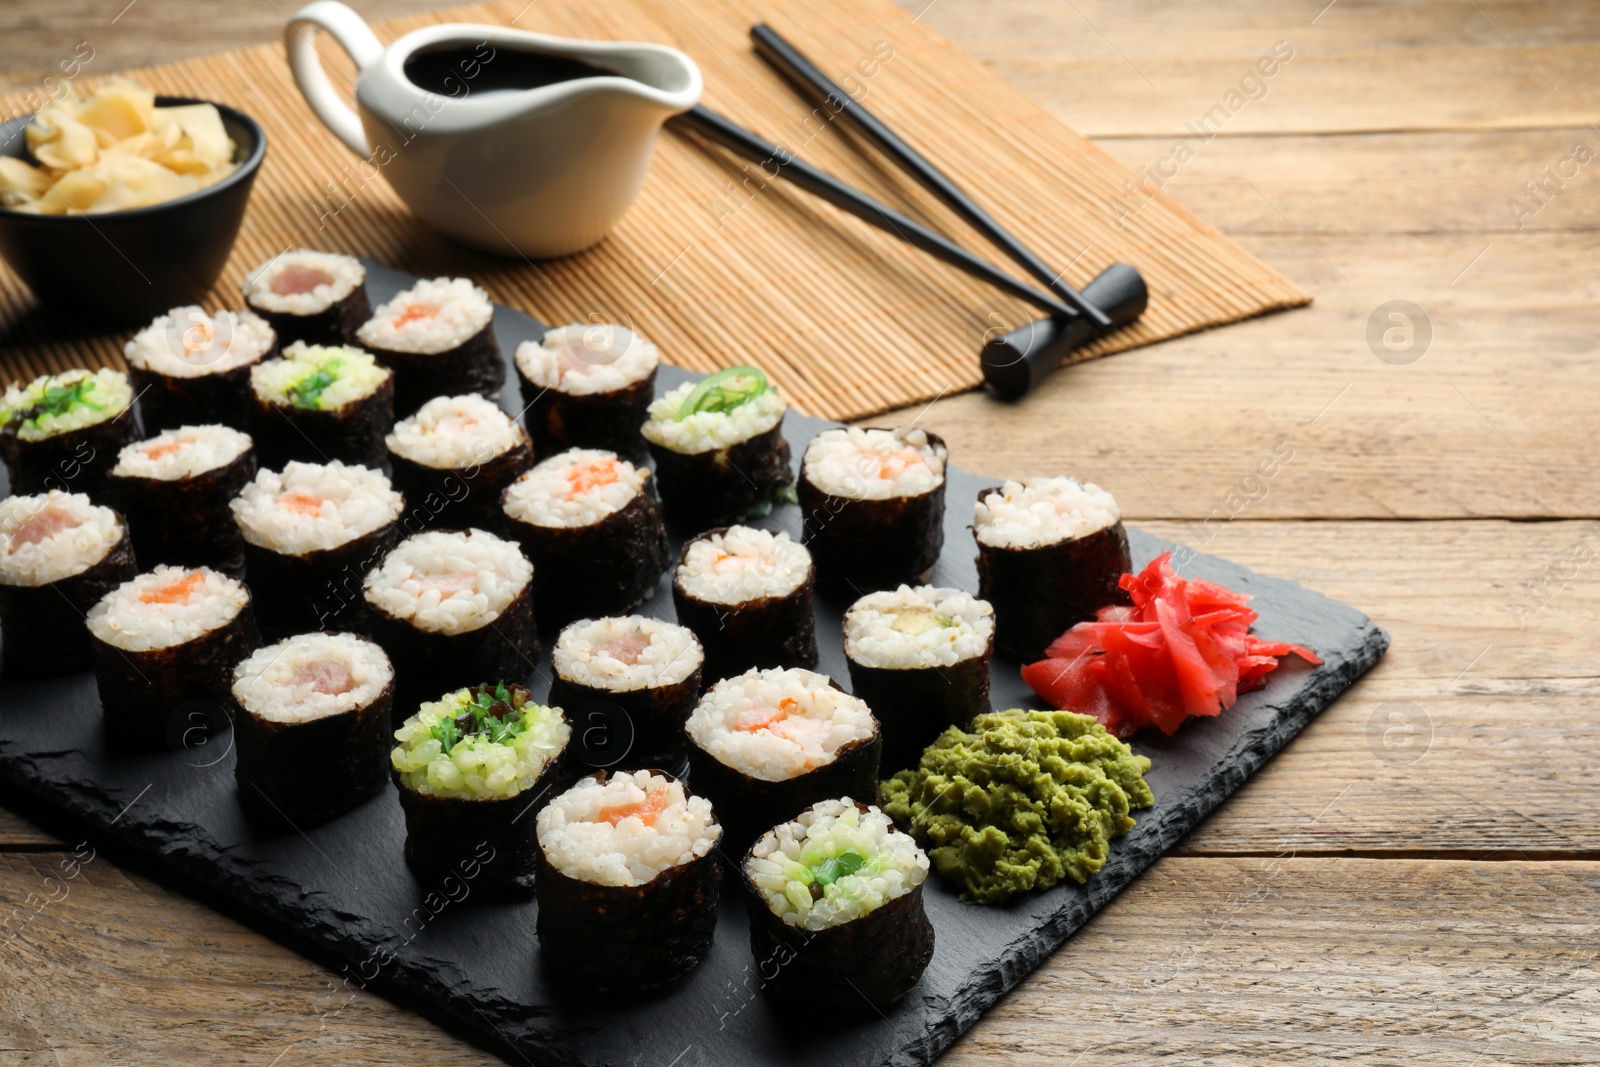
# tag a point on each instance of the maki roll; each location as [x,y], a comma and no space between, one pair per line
[438,338]
[63,431]
[920,659]
[453,606]
[719,448]
[628,882]
[1050,554]
[454,458]
[165,638]
[311,726]
[645,669]
[468,768]
[311,532]
[175,489]
[836,912]
[316,297]
[320,404]
[588,387]
[768,744]
[873,505]
[189,367]
[593,529]
[747,594]
[59,554]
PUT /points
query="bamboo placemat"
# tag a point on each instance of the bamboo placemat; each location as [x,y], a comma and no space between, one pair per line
[719,270]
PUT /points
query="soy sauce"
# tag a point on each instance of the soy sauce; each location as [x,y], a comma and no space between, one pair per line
[483,68]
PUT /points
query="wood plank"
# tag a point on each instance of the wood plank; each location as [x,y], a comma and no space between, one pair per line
[17,831]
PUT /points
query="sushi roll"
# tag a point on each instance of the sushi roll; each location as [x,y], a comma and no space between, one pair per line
[590,524]
[873,505]
[920,659]
[588,387]
[768,744]
[63,431]
[453,607]
[747,594]
[438,338]
[175,489]
[1050,554]
[646,670]
[189,367]
[59,554]
[628,882]
[316,297]
[320,404]
[165,638]
[311,728]
[719,448]
[454,458]
[468,768]
[311,532]
[836,912]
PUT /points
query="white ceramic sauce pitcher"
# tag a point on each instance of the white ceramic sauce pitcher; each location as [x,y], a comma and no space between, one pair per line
[457,119]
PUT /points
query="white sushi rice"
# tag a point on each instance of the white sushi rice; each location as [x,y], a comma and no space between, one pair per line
[906,628]
[453,311]
[52,536]
[106,397]
[343,274]
[312,676]
[579,838]
[778,723]
[356,375]
[185,452]
[1042,511]
[449,582]
[740,564]
[704,431]
[626,654]
[455,433]
[166,607]
[785,862]
[310,507]
[476,767]
[188,342]
[584,360]
[550,493]
[861,464]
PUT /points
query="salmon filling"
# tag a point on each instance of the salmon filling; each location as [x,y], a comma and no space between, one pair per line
[295,279]
[646,810]
[302,503]
[49,521]
[177,592]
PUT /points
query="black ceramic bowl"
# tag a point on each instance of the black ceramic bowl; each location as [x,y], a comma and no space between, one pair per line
[126,267]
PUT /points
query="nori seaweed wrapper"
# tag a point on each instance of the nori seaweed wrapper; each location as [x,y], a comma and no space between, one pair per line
[656,714]
[353,433]
[428,665]
[473,366]
[769,631]
[857,969]
[706,489]
[78,461]
[43,624]
[141,692]
[319,590]
[167,402]
[605,568]
[628,939]
[292,776]
[865,545]
[915,705]
[186,521]
[610,421]
[1040,593]
[459,498]
[748,807]
[334,325]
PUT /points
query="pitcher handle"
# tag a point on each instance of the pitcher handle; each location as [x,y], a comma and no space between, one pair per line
[358,41]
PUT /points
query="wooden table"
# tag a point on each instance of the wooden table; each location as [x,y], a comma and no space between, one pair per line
[1417,879]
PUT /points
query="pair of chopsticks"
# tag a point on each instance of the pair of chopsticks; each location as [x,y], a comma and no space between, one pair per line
[1012,362]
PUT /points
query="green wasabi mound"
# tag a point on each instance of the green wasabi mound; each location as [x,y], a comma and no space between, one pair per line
[1021,801]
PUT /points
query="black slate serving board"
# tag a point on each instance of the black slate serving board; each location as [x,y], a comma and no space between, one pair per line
[343,893]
